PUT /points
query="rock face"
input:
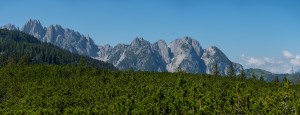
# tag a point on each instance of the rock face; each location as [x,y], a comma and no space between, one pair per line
[9,27]
[35,28]
[59,36]
[213,55]
[184,54]
[139,55]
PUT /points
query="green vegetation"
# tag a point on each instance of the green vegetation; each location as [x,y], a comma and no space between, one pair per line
[20,48]
[268,76]
[40,78]
[53,89]
[230,71]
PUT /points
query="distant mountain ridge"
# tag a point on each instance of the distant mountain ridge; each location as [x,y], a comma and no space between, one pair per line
[63,37]
[20,48]
[184,54]
[268,76]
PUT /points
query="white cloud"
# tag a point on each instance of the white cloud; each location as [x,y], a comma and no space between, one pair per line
[272,64]
[295,61]
[266,63]
[252,60]
[287,54]
[255,61]
[272,60]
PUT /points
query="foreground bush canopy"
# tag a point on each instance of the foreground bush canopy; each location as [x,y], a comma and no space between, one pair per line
[53,89]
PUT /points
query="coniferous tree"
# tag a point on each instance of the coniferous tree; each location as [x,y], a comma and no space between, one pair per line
[285,79]
[230,70]
[261,78]
[81,62]
[216,70]
[12,60]
[3,60]
[242,74]
[24,60]
[253,76]
[276,80]
[178,69]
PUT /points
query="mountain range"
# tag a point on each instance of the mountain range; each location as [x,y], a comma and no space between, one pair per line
[20,48]
[269,77]
[184,54]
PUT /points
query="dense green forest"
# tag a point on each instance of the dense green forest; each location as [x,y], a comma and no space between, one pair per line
[54,89]
[40,78]
[17,47]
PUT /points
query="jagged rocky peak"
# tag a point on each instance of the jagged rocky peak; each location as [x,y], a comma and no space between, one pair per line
[213,52]
[186,53]
[139,42]
[9,27]
[213,55]
[159,44]
[186,40]
[162,48]
[107,46]
[58,28]
[35,28]
[63,37]
[186,45]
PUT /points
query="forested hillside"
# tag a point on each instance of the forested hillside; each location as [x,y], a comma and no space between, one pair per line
[19,48]
[268,76]
[53,89]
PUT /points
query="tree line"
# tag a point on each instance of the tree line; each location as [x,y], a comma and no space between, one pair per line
[54,89]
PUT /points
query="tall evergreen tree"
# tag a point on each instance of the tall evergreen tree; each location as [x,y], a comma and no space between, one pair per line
[24,60]
[12,60]
[230,70]
[242,74]
[216,70]
[253,75]
[261,78]
[285,79]
[276,80]
[3,60]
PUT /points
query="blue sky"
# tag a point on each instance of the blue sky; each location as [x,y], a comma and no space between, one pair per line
[256,33]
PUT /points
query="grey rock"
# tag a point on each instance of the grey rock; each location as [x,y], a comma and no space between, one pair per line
[185,54]
[9,27]
[35,28]
[213,55]
[139,55]
[63,37]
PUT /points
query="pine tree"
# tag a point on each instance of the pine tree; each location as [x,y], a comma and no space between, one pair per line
[261,78]
[230,70]
[253,76]
[216,70]
[276,80]
[285,79]
[24,60]
[242,74]
[12,60]
[81,62]
[179,70]
[3,60]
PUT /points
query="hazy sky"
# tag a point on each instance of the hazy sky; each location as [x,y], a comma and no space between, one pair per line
[256,33]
